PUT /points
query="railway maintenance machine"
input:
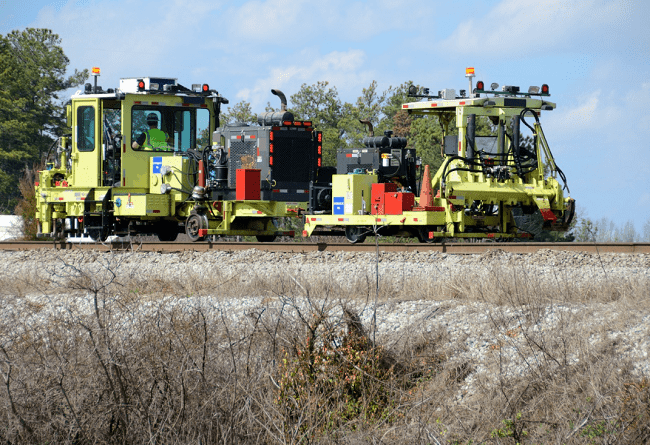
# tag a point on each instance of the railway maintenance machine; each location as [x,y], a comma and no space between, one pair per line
[151,158]
[482,183]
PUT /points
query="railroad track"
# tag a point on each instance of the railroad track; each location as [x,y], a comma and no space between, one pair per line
[451,248]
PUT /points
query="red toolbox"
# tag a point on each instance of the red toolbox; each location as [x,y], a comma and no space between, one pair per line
[378,208]
[248,184]
[377,194]
[396,203]
[378,191]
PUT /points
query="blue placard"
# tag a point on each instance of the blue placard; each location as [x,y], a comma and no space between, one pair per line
[339,205]
[157,164]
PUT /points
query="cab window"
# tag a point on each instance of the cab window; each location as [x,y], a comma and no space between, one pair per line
[169,128]
[86,128]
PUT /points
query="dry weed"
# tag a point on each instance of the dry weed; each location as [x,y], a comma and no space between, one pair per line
[123,362]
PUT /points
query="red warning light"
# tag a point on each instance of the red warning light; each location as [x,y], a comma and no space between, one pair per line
[545,89]
[140,85]
[480,85]
[205,87]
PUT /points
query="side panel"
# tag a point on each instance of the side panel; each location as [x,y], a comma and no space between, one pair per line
[141,204]
[352,194]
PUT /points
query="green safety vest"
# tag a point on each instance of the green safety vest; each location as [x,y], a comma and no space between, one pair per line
[156,139]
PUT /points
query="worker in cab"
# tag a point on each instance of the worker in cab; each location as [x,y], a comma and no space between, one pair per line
[153,138]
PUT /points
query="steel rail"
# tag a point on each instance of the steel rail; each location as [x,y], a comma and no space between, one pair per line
[304,247]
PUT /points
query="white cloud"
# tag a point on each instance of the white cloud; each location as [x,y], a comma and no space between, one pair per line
[644,200]
[288,23]
[340,69]
[126,38]
[609,119]
[269,23]
[582,117]
[529,27]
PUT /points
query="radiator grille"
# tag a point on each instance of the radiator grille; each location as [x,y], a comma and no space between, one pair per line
[293,157]
[243,154]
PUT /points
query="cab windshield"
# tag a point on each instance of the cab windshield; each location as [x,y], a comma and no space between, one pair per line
[165,128]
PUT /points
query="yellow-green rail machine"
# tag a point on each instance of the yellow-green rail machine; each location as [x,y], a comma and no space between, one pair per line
[482,183]
[141,159]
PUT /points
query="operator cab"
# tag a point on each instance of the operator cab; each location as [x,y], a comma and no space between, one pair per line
[108,123]
[184,120]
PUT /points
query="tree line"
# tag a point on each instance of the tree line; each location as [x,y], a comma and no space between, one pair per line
[32,112]
[340,121]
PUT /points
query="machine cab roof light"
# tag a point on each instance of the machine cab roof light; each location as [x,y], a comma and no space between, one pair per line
[198,88]
[480,86]
[533,90]
[545,89]
[512,89]
[494,86]
[95,71]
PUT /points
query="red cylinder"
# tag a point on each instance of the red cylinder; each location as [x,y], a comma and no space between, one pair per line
[201,174]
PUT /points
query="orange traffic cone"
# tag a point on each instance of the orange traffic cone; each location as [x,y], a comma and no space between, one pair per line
[426,194]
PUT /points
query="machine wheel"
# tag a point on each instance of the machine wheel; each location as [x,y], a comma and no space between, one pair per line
[167,231]
[265,238]
[355,235]
[423,235]
[98,235]
[194,223]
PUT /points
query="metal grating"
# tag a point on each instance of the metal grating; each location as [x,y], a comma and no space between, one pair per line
[243,154]
[293,157]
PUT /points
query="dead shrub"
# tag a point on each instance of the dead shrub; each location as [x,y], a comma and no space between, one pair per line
[123,362]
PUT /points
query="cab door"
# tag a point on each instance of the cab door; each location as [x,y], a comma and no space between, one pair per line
[86,142]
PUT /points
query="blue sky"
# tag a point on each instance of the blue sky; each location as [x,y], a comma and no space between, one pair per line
[594,54]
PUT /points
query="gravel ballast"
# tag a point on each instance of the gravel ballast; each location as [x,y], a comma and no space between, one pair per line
[484,306]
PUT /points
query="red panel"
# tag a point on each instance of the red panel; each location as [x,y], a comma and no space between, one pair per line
[377,194]
[548,215]
[396,203]
[247,184]
[378,209]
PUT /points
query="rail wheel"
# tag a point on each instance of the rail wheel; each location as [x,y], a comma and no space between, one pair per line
[98,235]
[193,226]
[167,231]
[355,235]
[423,235]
